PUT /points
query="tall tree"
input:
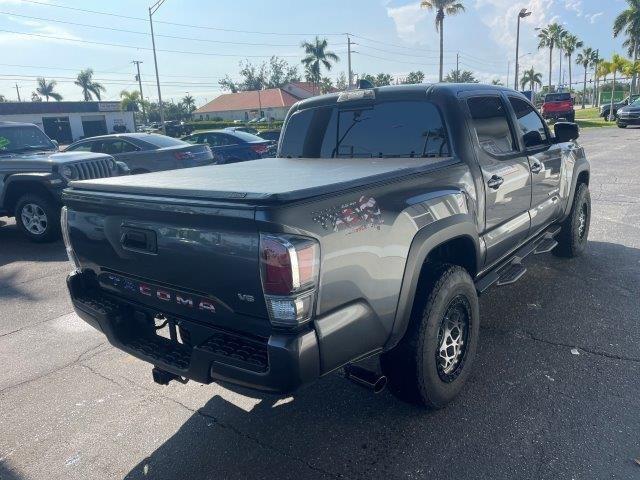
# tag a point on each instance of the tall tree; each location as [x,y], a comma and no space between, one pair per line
[549,37]
[189,103]
[532,78]
[47,89]
[586,58]
[628,22]
[630,70]
[414,77]
[460,76]
[316,57]
[616,65]
[383,79]
[570,43]
[89,88]
[129,100]
[442,8]
[341,81]
[35,97]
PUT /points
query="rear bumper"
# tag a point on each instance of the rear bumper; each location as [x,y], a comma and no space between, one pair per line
[556,115]
[280,363]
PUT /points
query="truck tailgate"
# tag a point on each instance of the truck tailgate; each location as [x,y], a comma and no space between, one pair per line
[197,261]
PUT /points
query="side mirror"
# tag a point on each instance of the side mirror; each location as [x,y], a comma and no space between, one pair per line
[532,139]
[566,131]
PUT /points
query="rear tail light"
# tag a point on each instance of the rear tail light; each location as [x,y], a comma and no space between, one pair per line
[183,155]
[260,148]
[289,268]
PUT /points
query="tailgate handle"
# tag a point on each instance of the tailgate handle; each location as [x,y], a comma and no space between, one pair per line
[139,240]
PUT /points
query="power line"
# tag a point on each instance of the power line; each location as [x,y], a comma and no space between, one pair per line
[175,37]
[182,52]
[177,24]
[396,61]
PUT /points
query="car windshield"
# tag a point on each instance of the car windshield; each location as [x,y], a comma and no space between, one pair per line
[247,137]
[162,141]
[386,129]
[23,139]
[636,102]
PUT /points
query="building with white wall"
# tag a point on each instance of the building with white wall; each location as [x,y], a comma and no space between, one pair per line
[67,122]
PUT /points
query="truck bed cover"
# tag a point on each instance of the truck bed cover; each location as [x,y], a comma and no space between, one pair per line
[268,179]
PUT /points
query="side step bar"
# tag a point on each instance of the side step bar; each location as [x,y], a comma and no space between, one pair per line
[512,270]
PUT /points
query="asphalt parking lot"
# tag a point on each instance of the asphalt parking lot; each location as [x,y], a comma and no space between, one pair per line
[554,393]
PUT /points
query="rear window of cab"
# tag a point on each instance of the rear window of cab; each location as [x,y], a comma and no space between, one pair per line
[405,128]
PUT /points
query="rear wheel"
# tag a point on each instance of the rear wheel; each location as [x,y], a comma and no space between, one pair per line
[572,239]
[433,360]
[620,125]
[38,218]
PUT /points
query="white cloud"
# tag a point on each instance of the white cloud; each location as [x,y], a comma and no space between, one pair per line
[406,19]
[36,28]
[574,5]
[593,17]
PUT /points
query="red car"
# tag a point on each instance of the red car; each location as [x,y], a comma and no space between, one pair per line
[558,105]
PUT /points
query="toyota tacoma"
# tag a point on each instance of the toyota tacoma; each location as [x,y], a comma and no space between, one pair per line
[33,174]
[386,212]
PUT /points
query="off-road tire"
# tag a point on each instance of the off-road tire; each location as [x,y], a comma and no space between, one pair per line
[46,206]
[412,367]
[572,239]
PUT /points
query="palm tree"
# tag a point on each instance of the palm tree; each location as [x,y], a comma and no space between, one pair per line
[632,69]
[628,21]
[131,101]
[586,58]
[497,81]
[617,64]
[189,103]
[442,8]
[46,89]
[570,43]
[316,57]
[550,36]
[85,81]
[531,77]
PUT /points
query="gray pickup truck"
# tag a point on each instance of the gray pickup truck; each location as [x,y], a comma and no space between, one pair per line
[33,174]
[385,214]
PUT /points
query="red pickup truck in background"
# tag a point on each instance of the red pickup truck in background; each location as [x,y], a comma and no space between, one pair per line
[558,105]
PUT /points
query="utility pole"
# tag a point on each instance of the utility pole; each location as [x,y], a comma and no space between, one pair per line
[457,67]
[508,70]
[153,9]
[137,64]
[596,91]
[523,13]
[18,92]
[350,75]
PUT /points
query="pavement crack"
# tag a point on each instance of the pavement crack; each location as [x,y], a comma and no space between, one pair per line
[253,439]
[108,379]
[82,357]
[588,350]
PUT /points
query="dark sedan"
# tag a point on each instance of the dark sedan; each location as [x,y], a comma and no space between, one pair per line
[231,146]
[147,152]
[629,115]
[272,135]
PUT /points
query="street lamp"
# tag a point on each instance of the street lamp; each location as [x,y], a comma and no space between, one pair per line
[523,13]
[153,9]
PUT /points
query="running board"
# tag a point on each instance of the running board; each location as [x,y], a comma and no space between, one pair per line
[512,270]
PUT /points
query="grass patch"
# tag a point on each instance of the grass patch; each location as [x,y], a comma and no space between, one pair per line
[590,118]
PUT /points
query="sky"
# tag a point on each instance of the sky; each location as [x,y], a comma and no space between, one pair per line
[51,38]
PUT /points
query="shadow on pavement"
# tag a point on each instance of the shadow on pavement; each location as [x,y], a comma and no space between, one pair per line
[533,408]
[15,247]
[6,473]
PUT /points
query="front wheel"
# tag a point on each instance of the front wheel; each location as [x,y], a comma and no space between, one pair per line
[620,125]
[572,239]
[433,360]
[38,218]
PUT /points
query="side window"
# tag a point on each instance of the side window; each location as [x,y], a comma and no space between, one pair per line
[530,125]
[213,139]
[228,140]
[82,147]
[490,121]
[129,147]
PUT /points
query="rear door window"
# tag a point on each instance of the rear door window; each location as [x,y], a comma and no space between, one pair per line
[491,125]
[385,129]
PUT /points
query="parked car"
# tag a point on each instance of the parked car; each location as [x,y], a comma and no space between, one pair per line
[174,128]
[245,129]
[606,108]
[272,135]
[629,115]
[147,152]
[230,146]
[385,214]
[33,174]
[557,106]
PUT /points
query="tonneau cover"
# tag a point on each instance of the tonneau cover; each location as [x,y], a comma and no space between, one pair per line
[267,179]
